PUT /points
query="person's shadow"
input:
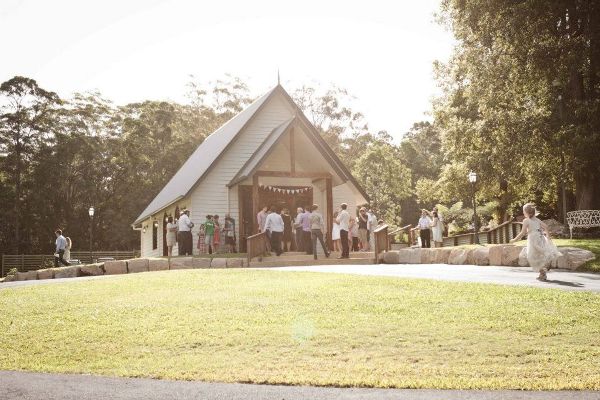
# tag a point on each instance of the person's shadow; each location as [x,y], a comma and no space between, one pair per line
[565,283]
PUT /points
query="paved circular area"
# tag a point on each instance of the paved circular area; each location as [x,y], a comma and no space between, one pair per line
[557,279]
[29,385]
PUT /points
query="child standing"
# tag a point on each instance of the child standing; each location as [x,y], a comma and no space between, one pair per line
[541,252]
[217,238]
[201,240]
[335,233]
[209,233]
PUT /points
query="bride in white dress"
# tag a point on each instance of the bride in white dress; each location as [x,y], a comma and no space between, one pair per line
[541,251]
[437,228]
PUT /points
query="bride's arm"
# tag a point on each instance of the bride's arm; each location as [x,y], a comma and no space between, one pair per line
[524,230]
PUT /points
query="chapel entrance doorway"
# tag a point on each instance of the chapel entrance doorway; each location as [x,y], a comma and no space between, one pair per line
[290,197]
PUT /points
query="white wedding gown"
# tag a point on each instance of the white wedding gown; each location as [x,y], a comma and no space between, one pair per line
[541,251]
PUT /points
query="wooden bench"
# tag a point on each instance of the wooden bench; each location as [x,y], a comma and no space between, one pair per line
[583,219]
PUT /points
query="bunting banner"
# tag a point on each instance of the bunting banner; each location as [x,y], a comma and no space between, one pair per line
[284,190]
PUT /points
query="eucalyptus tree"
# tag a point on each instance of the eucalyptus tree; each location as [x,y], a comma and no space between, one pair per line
[26,120]
[521,99]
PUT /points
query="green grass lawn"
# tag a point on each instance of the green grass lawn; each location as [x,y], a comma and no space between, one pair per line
[305,328]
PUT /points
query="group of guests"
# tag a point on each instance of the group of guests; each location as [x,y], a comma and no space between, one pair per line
[360,231]
[213,236]
[308,227]
[431,226]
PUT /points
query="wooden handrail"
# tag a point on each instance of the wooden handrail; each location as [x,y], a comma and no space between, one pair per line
[256,245]
[407,228]
[380,237]
[500,234]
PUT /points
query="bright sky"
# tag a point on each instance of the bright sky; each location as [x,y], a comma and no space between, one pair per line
[132,50]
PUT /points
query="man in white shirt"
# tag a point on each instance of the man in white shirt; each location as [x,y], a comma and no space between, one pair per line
[184,226]
[425,229]
[61,244]
[343,219]
[274,224]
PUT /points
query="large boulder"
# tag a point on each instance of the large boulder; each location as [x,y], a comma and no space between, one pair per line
[158,264]
[557,229]
[235,263]
[427,256]
[181,263]
[46,273]
[409,256]
[66,272]
[201,262]
[115,267]
[391,257]
[441,255]
[481,256]
[26,276]
[92,269]
[137,265]
[510,255]
[218,263]
[561,262]
[495,254]
[576,257]
[461,256]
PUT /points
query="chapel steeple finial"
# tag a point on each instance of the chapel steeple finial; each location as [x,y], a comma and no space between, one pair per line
[278,81]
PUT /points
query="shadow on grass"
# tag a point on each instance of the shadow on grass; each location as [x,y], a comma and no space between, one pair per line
[565,283]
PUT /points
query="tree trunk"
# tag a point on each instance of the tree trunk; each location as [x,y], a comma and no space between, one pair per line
[17,205]
[586,191]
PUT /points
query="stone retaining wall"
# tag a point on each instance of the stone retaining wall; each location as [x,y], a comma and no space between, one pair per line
[129,266]
[499,255]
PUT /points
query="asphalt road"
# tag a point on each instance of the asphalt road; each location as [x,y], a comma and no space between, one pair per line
[517,276]
[34,386]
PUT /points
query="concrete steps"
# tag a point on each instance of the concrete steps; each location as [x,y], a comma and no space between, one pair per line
[294,259]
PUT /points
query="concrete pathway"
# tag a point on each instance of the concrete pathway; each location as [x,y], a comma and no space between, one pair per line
[6,285]
[557,279]
[33,386]
[517,276]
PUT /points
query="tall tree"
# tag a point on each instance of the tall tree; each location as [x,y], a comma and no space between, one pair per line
[26,119]
[521,97]
[385,178]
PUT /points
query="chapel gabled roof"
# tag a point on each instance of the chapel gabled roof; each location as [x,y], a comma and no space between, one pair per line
[199,163]
[208,152]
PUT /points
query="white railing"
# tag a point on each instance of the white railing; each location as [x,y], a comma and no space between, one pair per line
[583,219]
